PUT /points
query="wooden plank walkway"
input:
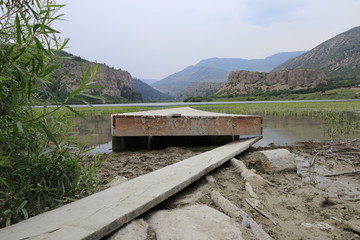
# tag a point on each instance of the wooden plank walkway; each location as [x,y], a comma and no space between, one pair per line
[99,214]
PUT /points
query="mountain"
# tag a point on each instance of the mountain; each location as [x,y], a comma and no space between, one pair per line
[337,57]
[245,82]
[217,70]
[200,89]
[116,83]
[175,83]
[254,65]
[148,93]
[148,81]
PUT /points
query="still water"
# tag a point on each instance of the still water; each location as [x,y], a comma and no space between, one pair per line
[279,130]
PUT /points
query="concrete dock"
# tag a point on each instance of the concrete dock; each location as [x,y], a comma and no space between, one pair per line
[178,126]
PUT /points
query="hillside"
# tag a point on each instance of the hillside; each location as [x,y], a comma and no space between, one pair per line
[245,82]
[337,57]
[149,81]
[254,65]
[200,89]
[117,84]
[177,82]
[148,93]
[217,70]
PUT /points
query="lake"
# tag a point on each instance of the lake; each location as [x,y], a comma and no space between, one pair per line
[279,130]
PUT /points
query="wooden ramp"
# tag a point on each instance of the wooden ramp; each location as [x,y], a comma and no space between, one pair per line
[99,214]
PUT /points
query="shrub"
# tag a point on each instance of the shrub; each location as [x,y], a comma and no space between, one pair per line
[41,166]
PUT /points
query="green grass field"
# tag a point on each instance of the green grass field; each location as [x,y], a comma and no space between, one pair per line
[311,109]
[340,93]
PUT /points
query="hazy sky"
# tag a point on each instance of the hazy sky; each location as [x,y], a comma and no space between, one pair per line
[155,38]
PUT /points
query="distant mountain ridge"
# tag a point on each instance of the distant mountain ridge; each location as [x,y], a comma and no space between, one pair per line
[254,65]
[177,82]
[337,57]
[217,70]
[148,93]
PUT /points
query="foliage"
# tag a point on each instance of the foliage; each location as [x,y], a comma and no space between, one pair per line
[40,167]
[340,118]
[198,99]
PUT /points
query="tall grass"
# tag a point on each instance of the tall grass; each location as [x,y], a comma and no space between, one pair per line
[310,109]
[340,118]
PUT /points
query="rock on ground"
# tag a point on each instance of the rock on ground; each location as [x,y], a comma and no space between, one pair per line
[194,222]
[272,161]
[134,230]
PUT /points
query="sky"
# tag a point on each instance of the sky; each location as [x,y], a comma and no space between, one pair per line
[153,39]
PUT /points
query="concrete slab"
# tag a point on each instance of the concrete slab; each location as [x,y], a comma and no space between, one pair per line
[198,222]
[180,126]
[95,216]
[184,122]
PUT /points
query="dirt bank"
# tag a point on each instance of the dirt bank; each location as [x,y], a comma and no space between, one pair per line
[307,204]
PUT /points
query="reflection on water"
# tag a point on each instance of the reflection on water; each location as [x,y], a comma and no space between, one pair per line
[288,130]
[99,127]
[276,129]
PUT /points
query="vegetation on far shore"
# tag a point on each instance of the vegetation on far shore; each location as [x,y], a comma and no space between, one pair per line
[339,93]
[275,108]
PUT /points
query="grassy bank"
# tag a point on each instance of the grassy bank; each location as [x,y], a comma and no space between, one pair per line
[339,93]
[311,109]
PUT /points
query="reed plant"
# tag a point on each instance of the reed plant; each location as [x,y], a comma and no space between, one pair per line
[340,118]
[41,164]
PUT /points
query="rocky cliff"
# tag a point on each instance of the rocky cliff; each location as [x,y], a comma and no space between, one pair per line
[244,82]
[117,84]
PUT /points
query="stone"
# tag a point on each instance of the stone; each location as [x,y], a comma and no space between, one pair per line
[116,181]
[271,161]
[194,222]
[134,230]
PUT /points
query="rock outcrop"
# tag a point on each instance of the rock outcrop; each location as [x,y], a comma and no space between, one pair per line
[243,82]
[116,84]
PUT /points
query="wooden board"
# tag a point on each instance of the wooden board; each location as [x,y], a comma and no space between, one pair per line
[184,122]
[99,214]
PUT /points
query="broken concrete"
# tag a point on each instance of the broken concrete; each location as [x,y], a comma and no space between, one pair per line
[271,161]
[134,230]
[194,222]
[179,126]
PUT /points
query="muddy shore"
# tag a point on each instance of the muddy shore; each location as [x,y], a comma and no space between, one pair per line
[312,202]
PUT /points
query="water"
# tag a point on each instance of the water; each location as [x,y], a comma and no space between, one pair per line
[278,130]
[168,104]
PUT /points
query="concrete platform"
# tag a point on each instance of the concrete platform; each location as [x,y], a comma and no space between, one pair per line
[180,126]
[95,216]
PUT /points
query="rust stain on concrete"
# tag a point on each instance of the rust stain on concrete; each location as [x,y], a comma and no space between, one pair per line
[184,122]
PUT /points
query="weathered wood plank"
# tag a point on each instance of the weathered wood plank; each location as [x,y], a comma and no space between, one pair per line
[99,214]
